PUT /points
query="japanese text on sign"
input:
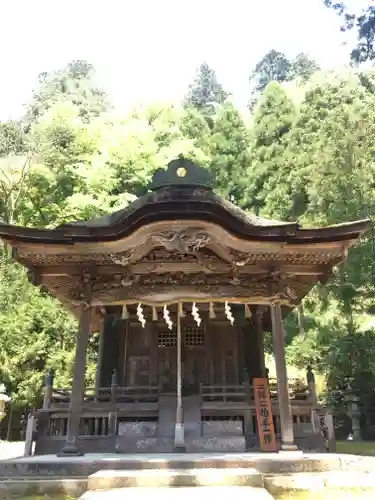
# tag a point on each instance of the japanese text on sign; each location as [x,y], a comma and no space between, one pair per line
[266,428]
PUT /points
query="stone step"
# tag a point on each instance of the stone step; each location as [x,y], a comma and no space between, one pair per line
[316,482]
[200,493]
[51,487]
[192,416]
[167,416]
[273,463]
[110,479]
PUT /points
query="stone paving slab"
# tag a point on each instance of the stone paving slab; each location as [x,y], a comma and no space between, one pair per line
[317,482]
[21,488]
[200,493]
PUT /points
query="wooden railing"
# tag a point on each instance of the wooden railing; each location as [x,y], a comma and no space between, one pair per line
[113,394]
[245,392]
[150,394]
[222,393]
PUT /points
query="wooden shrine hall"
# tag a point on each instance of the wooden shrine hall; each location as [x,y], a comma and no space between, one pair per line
[181,284]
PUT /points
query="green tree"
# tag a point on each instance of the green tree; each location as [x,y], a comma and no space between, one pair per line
[15,165]
[272,122]
[75,84]
[230,157]
[12,138]
[206,91]
[303,67]
[36,333]
[274,66]
[363,21]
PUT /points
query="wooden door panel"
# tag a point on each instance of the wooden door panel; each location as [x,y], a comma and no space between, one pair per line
[139,370]
[167,369]
[194,358]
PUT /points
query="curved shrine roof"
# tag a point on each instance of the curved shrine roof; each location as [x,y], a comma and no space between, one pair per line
[209,248]
[182,192]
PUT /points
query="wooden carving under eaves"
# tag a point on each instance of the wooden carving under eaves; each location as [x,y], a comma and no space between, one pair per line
[179,245]
[169,286]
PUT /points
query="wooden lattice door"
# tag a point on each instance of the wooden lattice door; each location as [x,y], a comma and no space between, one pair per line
[194,358]
[167,361]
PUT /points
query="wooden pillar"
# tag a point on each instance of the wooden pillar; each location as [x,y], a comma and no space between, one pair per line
[286,420]
[179,436]
[100,356]
[71,447]
[260,338]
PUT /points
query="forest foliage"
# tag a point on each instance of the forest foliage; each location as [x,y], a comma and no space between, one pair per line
[305,152]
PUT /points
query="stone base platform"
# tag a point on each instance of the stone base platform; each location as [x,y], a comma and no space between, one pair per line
[266,463]
[273,472]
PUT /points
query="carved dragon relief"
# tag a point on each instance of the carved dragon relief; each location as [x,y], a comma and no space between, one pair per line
[183,242]
[185,245]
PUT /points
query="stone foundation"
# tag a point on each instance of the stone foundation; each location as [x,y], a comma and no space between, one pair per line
[222,428]
[137,429]
[131,444]
[234,444]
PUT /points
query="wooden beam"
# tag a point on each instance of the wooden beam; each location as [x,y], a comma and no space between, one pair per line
[186,267]
[255,300]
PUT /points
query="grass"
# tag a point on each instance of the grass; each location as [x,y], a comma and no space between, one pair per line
[48,497]
[356,447]
[329,494]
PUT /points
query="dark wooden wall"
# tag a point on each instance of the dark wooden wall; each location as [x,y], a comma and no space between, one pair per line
[215,353]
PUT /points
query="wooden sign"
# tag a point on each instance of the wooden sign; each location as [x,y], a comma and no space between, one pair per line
[266,428]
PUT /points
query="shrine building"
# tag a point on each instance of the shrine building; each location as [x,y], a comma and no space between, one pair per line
[181,286]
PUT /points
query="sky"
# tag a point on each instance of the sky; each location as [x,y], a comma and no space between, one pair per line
[146,50]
